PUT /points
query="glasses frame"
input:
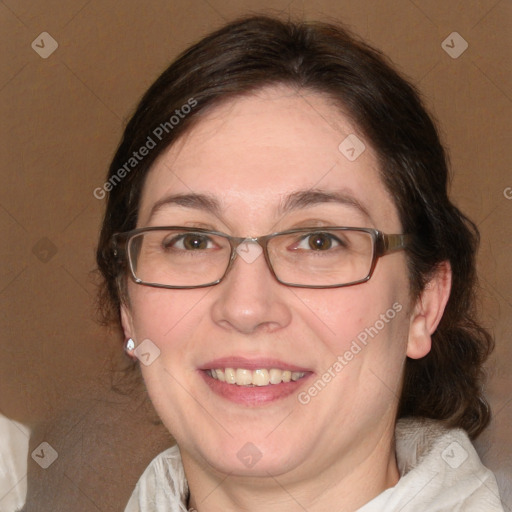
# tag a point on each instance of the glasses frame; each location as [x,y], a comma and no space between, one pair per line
[382,244]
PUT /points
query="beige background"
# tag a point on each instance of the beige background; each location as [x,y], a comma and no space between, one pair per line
[62,118]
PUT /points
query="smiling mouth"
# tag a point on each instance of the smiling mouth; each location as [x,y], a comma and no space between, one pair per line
[248,378]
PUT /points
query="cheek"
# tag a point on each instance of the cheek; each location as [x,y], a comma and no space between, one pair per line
[372,315]
[170,319]
[167,317]
[352,313]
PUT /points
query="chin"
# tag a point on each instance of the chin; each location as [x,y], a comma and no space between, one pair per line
[241,456]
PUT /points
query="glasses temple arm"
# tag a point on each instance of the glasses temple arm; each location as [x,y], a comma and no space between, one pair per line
[392,243]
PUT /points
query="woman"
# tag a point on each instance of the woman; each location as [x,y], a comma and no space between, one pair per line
[285,263]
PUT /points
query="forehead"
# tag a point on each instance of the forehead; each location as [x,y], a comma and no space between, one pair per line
[258,149]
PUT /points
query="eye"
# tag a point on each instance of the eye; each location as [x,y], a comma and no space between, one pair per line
[188,242]
[318,242]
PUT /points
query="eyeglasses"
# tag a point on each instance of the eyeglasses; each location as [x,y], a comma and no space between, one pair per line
[320,257]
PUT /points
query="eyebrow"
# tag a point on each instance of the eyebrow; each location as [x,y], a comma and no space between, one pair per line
[196,201]
[295,201]
[311,197]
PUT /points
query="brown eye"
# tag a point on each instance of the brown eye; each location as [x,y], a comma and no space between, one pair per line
[191,242]
[188,242]
[319,241]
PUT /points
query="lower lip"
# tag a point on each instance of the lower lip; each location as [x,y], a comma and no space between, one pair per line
[253,395]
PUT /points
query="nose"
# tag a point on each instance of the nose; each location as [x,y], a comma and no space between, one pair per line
[250,299]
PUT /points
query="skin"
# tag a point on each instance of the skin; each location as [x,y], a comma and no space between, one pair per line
[336,452]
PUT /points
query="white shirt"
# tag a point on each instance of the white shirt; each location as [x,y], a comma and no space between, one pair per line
[14,438]
[440,472]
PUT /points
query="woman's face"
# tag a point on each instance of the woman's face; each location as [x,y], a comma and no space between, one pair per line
[260,161]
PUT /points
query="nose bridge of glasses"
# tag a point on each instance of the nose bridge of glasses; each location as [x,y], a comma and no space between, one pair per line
[237,241]
[249,249]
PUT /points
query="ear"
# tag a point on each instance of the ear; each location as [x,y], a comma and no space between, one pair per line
[428,311]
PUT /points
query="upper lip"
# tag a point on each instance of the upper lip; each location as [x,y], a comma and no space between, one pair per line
[251,364]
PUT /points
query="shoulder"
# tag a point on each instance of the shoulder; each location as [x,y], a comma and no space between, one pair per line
[444,463]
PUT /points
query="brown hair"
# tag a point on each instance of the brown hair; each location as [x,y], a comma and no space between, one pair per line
[254,52]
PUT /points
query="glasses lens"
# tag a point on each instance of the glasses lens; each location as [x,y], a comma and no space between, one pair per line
[327,257]
[178,257]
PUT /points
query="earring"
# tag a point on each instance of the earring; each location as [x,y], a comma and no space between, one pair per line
[129,345]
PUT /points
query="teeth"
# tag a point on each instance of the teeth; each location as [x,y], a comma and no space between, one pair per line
[243,377]
[276,376]
[229,374]
[263,377]
[260,378]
